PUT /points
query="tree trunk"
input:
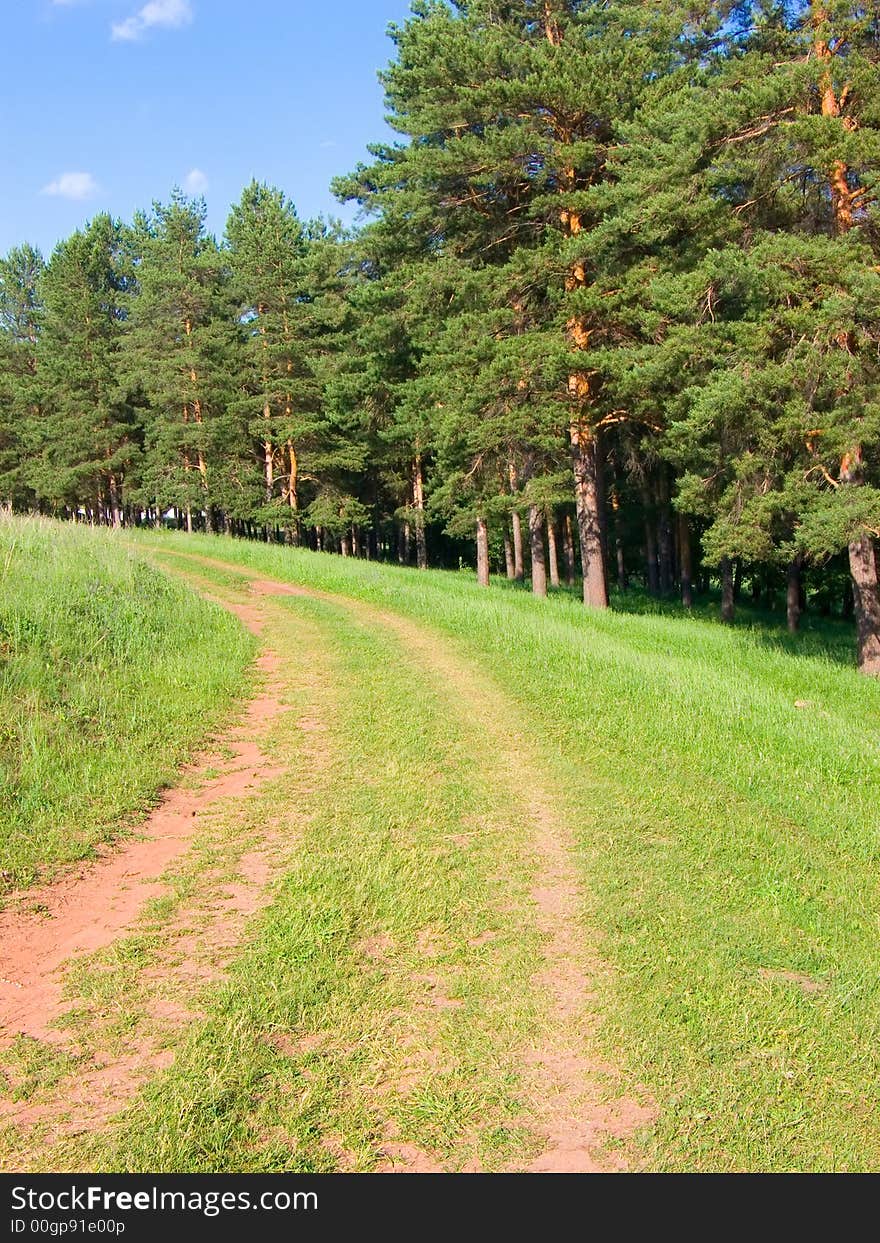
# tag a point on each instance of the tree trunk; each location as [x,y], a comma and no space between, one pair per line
[293,477]
[728,605]
[189,520]
[553,554]
[509,565]
[602,504]
[793,595]
[516,526]
[115,513]
[866,602]
[268,451]
[519,572]
[586,497]
[201,463]
[652,572]
[376,545]
[665,544]
[268,459]
[536,543]
[582,437]
[482,553]
[419,501]
[619,555]
[294,533]
[686,561]
[844,197]
[568,550]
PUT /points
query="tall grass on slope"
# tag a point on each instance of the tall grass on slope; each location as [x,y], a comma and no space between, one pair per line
[110,674]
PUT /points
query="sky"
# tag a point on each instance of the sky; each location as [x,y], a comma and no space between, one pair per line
[108,104]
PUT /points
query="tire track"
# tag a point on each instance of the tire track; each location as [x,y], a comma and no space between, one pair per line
[575,1102]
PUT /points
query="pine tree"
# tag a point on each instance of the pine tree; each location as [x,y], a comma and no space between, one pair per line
[87,434]
[20,309]
[507,138]
[288,283]
[267,249]
[373,380]
[762,291]
[181,339]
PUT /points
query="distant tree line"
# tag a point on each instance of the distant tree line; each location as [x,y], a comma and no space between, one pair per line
[613,313]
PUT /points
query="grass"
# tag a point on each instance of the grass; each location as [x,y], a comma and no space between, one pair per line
[726,793]
[110,675]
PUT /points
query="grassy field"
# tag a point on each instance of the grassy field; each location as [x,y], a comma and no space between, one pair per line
[725,789]
[722,786]
[110,675]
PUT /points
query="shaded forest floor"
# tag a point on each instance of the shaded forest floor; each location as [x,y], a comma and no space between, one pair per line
[521,889]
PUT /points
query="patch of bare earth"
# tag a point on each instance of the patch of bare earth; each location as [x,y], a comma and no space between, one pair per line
[48,931]
[46,927]
[805,983]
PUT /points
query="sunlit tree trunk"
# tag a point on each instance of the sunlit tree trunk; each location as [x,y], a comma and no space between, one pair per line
[516,528]
[115,510]
[552,551]
[582,435]
[482,552]
[419,503]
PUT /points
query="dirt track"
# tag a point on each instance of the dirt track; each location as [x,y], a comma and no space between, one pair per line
[45,931]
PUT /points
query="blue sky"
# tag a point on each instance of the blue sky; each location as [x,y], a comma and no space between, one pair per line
[107,104]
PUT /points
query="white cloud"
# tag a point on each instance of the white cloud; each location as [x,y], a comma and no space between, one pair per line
[171,14]
[76,186]
[195,182]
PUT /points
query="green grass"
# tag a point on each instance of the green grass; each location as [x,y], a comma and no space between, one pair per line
[728,841]
[110,675]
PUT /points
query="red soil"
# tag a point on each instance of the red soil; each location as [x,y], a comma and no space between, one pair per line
[45,927]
